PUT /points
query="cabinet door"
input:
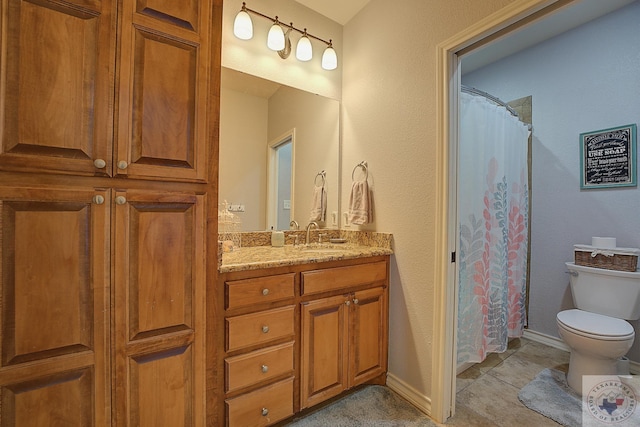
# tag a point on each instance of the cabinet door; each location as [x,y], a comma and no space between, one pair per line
[163,92]
[54,307]
[368,355]
[324,349]
[57,81]
[159,309]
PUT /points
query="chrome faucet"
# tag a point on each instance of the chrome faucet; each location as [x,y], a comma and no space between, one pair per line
[294,223]
[309,229]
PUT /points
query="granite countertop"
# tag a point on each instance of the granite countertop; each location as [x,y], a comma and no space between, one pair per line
[256,257]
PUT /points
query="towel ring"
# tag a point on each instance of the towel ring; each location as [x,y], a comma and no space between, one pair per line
[322,175]
[365,168]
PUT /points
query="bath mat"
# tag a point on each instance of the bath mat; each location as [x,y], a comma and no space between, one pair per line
[550,395]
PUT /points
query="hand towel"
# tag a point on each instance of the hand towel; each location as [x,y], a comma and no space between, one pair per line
[318,204]
[360,204]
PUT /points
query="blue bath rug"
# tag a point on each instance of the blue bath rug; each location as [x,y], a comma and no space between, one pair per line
[550,395]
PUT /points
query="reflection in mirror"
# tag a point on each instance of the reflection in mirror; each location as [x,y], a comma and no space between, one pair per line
[256,117]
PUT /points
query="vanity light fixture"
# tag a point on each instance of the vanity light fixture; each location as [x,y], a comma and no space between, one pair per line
[279,41]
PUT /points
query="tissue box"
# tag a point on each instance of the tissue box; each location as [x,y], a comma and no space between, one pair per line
[622,259]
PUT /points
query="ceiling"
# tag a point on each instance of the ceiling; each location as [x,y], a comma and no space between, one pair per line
[567,18]
[340,11]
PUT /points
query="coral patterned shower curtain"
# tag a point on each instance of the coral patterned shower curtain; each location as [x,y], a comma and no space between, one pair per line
[493,226]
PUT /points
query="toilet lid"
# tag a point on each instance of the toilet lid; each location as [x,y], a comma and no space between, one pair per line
[595,324]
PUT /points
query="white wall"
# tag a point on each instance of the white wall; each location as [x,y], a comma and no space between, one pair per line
[583,80]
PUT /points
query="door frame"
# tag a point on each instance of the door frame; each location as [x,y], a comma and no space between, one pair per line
[506,20]
[272,176]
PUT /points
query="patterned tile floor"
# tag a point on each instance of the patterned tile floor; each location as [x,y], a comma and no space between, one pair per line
[487,393]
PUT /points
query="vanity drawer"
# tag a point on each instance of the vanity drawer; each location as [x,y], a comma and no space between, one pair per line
[241,293]
[258,328]
[262,407]
[330,279]
[260,365]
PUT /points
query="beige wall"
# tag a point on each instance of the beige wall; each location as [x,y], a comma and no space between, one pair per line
[315,120]
[243,155]
[389,119]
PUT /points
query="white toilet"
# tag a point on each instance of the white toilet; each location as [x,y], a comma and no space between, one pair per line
[595,331]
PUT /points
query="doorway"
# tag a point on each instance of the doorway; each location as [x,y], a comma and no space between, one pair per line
[280,182]
[509,21]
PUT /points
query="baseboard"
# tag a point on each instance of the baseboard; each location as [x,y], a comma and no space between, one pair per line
[634,367]
[545,339]
[417,399]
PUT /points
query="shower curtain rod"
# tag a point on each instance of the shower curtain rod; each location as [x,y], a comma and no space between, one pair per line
[474,91]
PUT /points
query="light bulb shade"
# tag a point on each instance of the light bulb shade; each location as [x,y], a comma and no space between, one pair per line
[275,38]
[329,59]
[304,50]
[242,26]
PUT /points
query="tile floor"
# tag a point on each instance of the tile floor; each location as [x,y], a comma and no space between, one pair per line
[487,393]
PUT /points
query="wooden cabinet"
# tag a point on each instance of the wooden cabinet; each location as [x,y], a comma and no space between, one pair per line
[54,324]
[260,346]
[108,207]
[61,102]
[344,337]
[159,286]
[298,335]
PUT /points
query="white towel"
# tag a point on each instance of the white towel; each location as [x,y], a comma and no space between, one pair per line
[360,204]
[318,204]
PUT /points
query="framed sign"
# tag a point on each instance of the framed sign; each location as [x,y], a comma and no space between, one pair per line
[608,158]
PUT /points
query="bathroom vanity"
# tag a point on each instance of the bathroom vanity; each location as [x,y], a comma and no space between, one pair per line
[301,326]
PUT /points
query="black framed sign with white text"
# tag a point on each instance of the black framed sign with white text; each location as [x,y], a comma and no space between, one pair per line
[608,158]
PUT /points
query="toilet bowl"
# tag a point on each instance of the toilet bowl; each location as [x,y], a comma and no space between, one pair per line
[596,330]
[596,342]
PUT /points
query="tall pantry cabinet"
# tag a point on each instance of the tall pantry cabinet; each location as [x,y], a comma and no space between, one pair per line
[108,210]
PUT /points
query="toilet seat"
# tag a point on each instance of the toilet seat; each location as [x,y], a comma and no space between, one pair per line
[593,325]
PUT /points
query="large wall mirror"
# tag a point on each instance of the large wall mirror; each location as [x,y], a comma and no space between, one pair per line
[275,143]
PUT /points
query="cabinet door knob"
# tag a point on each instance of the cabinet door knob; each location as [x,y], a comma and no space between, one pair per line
[99,163]
[265,412]
[264,369]
[121,200]
[98,199]
[347,303]
[265,292]
[265,329]
[122,164]
[355,301]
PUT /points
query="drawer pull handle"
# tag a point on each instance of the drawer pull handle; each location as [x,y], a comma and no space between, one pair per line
[264,369]
[265,329]
[355,301]
[265,412]
[265,292]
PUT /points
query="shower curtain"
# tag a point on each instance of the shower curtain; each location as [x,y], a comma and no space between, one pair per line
[493,226]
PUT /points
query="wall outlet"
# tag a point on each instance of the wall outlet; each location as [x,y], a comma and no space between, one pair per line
[236,208]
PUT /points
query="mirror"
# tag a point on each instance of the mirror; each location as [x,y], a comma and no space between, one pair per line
[258,118]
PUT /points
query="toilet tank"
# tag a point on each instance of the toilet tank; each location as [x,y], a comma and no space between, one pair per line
[609,292]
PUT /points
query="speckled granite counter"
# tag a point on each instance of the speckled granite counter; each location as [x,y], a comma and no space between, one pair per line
[256,257]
